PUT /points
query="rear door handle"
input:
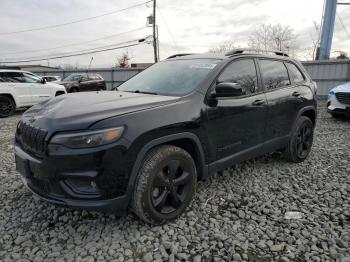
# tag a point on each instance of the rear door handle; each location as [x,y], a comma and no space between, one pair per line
[296,94]
[258,102]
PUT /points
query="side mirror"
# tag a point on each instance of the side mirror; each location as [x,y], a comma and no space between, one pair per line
[227,89]
[43,80]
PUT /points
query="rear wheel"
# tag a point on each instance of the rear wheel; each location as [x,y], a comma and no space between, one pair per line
[165,185]
[7,106]
[300,143]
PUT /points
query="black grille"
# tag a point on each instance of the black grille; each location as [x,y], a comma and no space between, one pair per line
[31,138]
[343,97]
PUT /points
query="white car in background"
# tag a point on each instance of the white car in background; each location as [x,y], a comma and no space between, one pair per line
[24,89]
[338,102]
[52,78]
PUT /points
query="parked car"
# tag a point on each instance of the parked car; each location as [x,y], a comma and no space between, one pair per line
[24,89]
[83,82]
[338,103]
[181,120]
[52,78]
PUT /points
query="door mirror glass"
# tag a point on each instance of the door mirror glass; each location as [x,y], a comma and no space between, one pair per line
[43,80]
[227,89]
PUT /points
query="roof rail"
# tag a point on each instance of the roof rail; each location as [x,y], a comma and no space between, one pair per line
[251,50]
[178,55]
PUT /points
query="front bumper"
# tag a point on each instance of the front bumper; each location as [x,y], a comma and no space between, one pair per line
[92,181]
[335,107]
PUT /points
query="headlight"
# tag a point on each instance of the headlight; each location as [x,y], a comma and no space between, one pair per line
[330,94]
[89,138]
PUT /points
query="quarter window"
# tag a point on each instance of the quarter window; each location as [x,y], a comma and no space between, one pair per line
[274,74]
[295,74]
[242,72]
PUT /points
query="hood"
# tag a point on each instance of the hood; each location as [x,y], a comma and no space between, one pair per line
[80,110]
[342,88]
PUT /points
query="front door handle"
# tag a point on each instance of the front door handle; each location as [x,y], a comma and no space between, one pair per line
[296,94]
[258,102]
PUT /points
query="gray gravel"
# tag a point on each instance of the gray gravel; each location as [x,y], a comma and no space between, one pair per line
[237,216]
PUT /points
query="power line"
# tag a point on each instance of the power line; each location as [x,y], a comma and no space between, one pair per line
[83,52]
[70,52]
[341,22]
[74,44]
[167,27]
[75,21]
[73,52]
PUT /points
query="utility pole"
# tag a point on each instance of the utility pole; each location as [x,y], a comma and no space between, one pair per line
[327,29]
[155,49]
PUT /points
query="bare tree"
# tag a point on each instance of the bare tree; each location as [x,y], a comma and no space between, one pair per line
[222,48]
[277,37]
[123,60]
[315,37]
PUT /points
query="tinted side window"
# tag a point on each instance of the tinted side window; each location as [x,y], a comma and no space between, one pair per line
[242,72]
[295,73]
[12,77]
[274,74]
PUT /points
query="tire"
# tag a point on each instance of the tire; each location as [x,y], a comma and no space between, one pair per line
[74,90]
[7,106]
[300,143]
[337,116]
[156,198]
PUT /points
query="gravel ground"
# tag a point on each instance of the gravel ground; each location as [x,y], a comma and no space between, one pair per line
[237,216]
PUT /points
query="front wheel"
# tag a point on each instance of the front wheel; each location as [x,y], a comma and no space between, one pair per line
[165,185]
[7,106]
[300,142]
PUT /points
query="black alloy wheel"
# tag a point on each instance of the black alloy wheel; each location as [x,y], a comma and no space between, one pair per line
[304,141]
[165,185]
[171,187]
[7,106]
[301,139]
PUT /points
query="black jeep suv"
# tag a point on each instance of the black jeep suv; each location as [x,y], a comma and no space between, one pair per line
[147,144]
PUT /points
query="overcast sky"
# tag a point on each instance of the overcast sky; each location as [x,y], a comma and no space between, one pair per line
[196,26]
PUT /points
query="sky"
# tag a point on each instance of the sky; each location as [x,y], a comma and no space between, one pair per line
[184,26]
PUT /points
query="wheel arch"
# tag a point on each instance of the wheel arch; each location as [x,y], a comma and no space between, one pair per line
[310,112]
[187,141]
[10,96]
[59,92]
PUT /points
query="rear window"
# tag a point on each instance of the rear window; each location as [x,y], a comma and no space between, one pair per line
[295,74]
[274,74]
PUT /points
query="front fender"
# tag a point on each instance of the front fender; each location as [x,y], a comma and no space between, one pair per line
[159,141]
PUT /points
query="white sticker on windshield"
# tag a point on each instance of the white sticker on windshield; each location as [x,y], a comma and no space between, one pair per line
[203,65]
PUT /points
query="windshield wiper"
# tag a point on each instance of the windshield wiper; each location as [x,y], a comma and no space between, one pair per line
[145,92]
[140,92]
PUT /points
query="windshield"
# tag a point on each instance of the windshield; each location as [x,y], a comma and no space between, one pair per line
[172,77]
[71,78]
